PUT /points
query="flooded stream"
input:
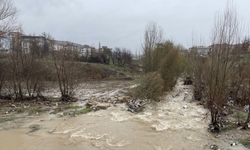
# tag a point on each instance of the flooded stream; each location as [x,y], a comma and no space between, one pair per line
[176,123]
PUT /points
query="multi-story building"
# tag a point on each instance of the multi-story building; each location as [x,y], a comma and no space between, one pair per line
[7,41]
[26,42]
[201,50]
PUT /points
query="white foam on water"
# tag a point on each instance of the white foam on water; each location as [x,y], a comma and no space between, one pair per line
[120,116]
[88,136]
[161,126]
[67,131]
[99,140]
[111,142]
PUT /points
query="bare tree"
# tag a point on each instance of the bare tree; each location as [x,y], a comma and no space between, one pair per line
[26,72]
[245,89]
[152,36]
[66,71]
[2,76]
[16,62]
[7,16]
[121,57]
[197,64]
[220,63]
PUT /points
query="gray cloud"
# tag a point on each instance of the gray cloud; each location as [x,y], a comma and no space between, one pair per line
[122,22]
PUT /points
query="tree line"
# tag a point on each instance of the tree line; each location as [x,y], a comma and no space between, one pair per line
[222,78]
[119,56]
[24,74]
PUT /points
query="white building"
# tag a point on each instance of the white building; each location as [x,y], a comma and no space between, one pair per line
[6,42]
[202,50]
[26,42]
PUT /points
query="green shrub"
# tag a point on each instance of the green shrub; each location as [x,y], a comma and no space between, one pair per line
[168,61]
[151,87]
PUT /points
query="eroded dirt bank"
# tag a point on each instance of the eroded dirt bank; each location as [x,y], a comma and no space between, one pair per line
[176,123]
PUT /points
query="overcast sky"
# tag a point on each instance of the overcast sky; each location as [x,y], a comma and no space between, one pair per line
[121,23]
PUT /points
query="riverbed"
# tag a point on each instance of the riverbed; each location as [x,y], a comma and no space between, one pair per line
[175,123]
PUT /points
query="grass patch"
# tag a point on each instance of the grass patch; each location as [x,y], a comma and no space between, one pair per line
[36,110]
[6,119]
[245,142]
[239,116]
[64,108]
[83,111]
[228,126]
[77,112]
[67,107]
[71,110]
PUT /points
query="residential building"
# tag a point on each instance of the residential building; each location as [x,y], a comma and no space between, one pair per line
[202,50]
[26,42]
[7,41]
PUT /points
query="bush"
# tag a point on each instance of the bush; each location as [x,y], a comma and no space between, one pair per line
[167,60]
[151,87]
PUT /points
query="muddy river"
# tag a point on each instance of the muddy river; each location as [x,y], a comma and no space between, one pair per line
[176,123]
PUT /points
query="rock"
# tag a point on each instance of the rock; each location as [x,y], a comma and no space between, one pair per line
[246,108]
[13,106]
[214,147]
[94,105]
[185,107]
[233,144]
[123,99]
[101,106]
[120,98]
[188,81]
[51,131]
[60,115]
[34,128]
[68,98]
[136,105]
[214,128]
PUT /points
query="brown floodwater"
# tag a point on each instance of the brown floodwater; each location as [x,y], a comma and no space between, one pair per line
[176,123]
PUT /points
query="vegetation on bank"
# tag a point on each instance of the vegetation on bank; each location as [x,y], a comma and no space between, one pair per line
[162,61]
[33,76]
[221,79]
[150,87]
[245,142]
[23,75]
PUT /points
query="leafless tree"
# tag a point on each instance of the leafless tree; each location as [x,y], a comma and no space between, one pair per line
[66,71]
[25,70]
[7,16]
[16,61]
[245,89]
[2,76]
[121,57]
[152,36]
[220,63]
[197,65]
